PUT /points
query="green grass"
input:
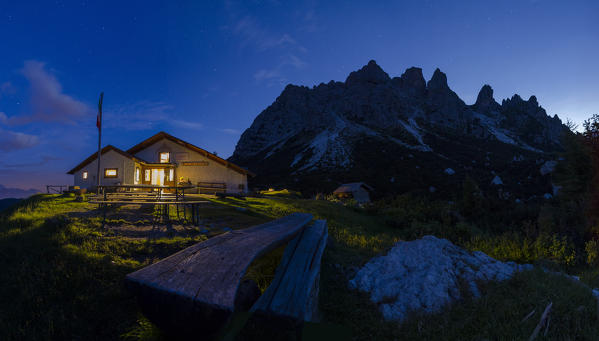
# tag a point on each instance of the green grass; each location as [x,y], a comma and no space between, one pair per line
[284,193]
[62,274]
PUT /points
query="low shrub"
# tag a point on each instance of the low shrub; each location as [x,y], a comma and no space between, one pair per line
[512,246]
[591,248]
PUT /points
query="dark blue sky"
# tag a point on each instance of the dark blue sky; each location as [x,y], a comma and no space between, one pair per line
[202,71]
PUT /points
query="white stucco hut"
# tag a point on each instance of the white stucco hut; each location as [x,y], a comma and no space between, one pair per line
[162,160]
[356,190]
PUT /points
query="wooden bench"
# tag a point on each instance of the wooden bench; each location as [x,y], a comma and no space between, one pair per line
[294,290]
[163,205]
[194,291]
[292,296]
[212,187]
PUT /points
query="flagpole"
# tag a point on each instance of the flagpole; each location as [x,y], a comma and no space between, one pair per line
[99,125]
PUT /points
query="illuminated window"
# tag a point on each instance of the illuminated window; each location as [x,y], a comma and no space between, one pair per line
[165,157]
[147,175]
[137,174]
[110,172]
[84,175]
[171,175]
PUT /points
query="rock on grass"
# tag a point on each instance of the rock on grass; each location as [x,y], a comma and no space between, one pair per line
[426,275]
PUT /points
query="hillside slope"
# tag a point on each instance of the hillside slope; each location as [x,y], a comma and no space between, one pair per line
[398,134]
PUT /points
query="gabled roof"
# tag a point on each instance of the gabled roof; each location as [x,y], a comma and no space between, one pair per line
[162,135]
[104,151]
[352,187]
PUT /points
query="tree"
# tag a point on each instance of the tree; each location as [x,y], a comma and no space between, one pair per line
[578,172]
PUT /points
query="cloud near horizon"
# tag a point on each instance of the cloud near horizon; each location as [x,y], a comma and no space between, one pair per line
[145,115]
[8,192]
[48,102]
[12,140]
[230,131]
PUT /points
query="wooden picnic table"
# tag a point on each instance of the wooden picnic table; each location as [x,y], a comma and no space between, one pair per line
[179,190]
[155,196]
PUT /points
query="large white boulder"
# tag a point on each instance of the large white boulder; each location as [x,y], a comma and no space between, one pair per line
[426,275]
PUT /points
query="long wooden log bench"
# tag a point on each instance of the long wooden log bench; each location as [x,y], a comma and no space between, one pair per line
[195,291]
[292,297]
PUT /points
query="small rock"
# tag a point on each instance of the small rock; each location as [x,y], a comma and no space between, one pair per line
[432,189]
[449,171]
[241,209]
[227,229]
[548,167]
[547,196]
[496,181]
[555,189]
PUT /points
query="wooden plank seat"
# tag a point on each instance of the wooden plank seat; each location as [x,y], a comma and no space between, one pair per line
[292,296]
[137,196]
[212,187]
[162,205]
[143,202]
[140,198]
[293,291]
[193,292]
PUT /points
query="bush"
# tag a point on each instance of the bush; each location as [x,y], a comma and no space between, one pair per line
[592,249]
[514,247]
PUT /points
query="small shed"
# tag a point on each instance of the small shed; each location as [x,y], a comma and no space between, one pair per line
[357,190]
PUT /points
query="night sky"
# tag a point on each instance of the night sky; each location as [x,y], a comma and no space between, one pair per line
[203,71]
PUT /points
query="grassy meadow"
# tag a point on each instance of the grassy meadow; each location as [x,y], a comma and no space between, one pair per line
[62,273]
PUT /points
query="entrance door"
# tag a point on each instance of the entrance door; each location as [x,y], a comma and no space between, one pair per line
[158,176]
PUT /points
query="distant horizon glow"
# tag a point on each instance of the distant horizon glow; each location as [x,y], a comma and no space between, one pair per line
[202,71]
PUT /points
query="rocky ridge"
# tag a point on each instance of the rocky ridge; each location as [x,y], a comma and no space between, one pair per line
[334,126]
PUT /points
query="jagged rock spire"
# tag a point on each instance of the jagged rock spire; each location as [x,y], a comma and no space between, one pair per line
[485,101]
[438,81]
[413,78]
[370,73]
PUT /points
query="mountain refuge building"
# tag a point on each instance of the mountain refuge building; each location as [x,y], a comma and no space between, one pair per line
[359,191]
[161,160]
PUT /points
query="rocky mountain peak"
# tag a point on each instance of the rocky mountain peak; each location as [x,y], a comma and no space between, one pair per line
[413,78]
[533,101]
[485,101]
[370,73]
[333,132]
[438,81]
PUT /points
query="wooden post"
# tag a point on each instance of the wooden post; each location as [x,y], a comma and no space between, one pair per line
[99,125]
